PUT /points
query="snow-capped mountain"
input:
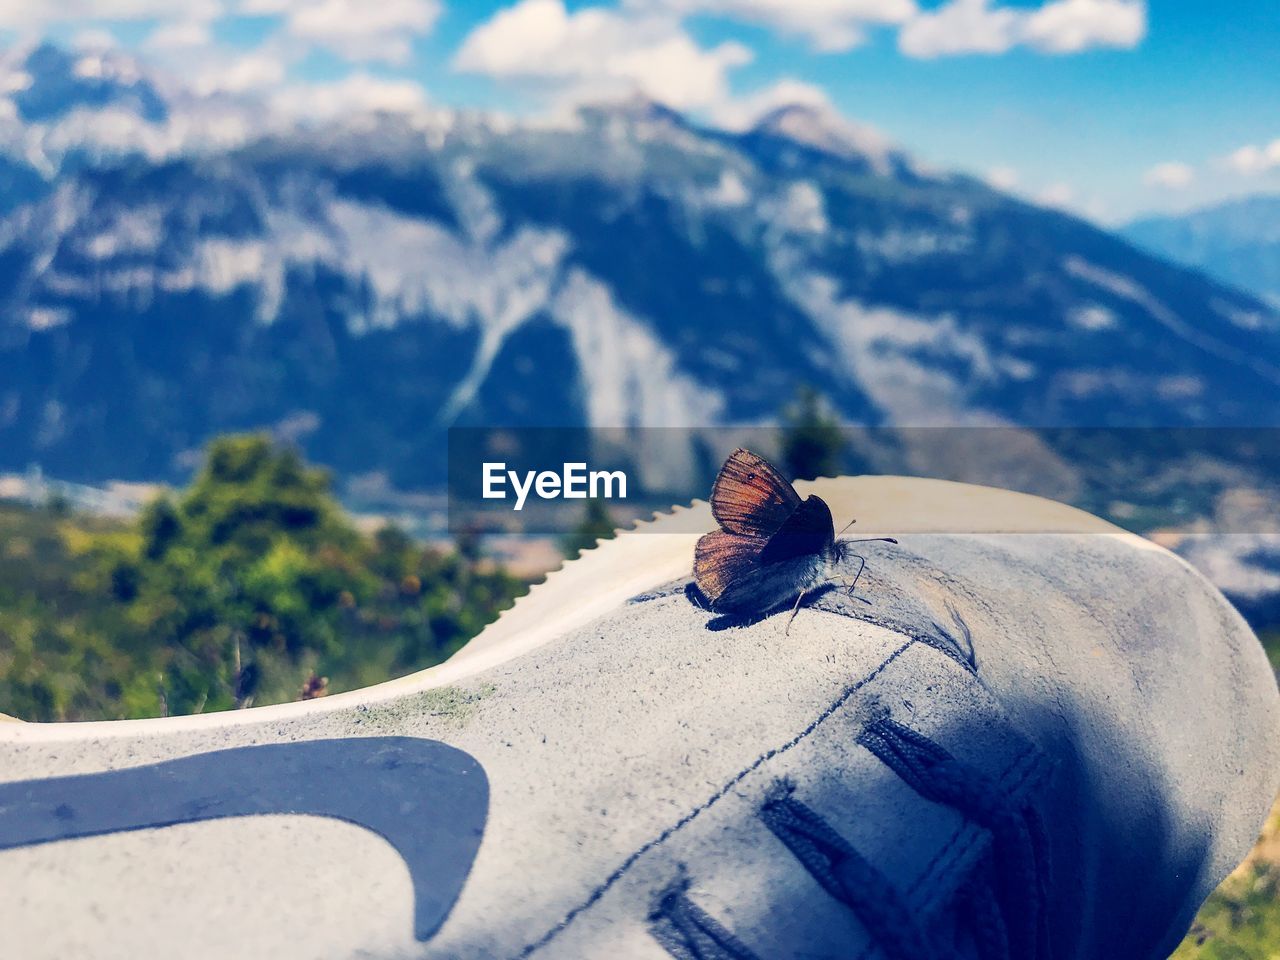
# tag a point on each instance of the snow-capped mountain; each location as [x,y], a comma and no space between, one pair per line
[362,285]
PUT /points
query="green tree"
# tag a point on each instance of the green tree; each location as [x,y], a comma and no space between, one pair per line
[812,443]
[241,589]
[596,525]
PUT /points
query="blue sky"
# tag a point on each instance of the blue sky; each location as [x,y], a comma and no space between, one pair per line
[1108,107]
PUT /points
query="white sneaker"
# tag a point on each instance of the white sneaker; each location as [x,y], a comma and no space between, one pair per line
[1049,739]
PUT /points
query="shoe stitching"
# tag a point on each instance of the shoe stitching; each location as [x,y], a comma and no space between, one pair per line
[604,887]
[938,637]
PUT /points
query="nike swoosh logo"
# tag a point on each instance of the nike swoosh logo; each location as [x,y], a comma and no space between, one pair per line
[427,799]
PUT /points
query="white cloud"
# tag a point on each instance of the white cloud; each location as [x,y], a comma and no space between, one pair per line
[599,52]
[13,81]
[1061,26]
[182,35]
[29,14]
[1003,178]
[1251,160]
[358,30]
[94,40]
[257,70]
[357,93]
[1069,26]
[1170,176]
[961,26]
[828,25]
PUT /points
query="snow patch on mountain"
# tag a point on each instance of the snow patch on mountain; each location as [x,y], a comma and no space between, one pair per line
[730,191]
[1129,289]
[1123,287]
[1247,319]
[220,265]
[800,209]
[821,128]
[413,268]
[127,230]
[631,378]
[918,370]
[473,204]
[1092,317]
[898,245]
[40,319]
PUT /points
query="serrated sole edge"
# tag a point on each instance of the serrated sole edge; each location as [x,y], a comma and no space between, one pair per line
[643,556]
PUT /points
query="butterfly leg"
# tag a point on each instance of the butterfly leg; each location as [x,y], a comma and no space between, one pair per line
[794,610]
[862,565]
[862,562]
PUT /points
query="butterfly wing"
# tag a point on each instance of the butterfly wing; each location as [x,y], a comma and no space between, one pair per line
[722,558]
[750,498]
[808,531]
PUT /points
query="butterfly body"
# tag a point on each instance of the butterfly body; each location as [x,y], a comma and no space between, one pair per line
[772,586]
[772,546]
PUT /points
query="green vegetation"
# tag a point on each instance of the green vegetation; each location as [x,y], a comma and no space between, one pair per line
[1241,920]
[1270,637]
[251,586]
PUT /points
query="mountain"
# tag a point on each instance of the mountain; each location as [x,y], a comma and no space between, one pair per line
[52,82]
[362,285]
[1236,242]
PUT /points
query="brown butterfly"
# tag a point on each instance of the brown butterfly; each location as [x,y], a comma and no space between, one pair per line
[772,546]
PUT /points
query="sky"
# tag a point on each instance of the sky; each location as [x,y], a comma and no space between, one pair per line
[1110,108]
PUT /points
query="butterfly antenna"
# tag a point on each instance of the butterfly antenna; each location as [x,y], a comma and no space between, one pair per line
[848,525]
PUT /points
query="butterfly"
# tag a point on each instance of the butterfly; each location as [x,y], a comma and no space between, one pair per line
[772,546]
